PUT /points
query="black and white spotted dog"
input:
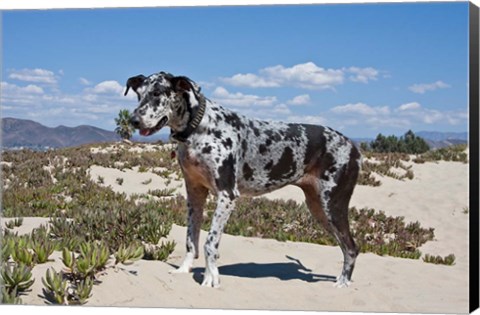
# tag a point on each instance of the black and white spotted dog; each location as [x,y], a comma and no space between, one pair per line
[229,155]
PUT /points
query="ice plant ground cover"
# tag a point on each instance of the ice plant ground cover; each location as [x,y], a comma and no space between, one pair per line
[95,227]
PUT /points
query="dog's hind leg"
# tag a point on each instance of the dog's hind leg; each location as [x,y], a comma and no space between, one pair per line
[197,196]
[336,224]
[335,192]
[341,230]
[328,192]
[311,188]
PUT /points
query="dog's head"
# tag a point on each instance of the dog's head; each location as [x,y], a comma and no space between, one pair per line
[164,99]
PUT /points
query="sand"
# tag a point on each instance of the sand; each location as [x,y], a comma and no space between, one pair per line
[266,274]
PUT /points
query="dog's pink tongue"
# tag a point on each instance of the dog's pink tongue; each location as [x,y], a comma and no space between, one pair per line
[144,132]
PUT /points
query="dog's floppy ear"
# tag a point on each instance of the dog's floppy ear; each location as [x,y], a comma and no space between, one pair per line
[184,84]
[135,83]
[181,84]
[187,87]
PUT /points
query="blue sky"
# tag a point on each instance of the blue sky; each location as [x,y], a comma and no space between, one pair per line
[359,68]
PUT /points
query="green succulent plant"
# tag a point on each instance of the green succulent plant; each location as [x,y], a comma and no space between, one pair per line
[55,287]
[7,244]
[16,277]
[74,285]
[23,255]
[10,224]
[42,250]
[83,291]
[127,255]
[17,222]
[93,255]
[85,267]
[153,228]
[68,259]
[167,192]
[9,297]
[448,260]
[71,243]
[159,252]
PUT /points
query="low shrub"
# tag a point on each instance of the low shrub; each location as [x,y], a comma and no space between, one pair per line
[448,260]
[452,153]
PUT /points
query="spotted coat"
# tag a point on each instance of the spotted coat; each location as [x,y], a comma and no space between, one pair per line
[230,155]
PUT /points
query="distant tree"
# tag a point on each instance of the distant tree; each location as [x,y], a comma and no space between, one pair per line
[408,143]
[379,144]
[124,128]
[414,144]
[364,146]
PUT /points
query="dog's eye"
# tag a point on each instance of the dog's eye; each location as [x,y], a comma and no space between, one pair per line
[156,93]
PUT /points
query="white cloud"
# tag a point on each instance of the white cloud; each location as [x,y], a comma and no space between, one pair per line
[84,81]
[20,95]
[415,112]
[362,75]
[250,80]
[409,106]
[457,118]
[299,100]
[360,108]
[282,109]
[206,84]
[224,97]
[34,75]
[33,89]
[49,104]
[305,75]
[12,88]
[424,87]
[100,109]
[430,116]
[403,116]
[107,87]
[308,119]
[389,122]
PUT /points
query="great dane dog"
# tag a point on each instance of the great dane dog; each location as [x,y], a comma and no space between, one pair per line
[232,155]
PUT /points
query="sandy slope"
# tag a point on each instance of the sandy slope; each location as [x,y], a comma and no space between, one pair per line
[266,274]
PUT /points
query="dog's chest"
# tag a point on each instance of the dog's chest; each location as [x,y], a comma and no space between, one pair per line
[196,169]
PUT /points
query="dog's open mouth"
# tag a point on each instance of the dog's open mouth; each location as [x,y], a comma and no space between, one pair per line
[151,131]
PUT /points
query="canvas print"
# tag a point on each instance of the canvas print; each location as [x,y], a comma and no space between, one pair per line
[275,157]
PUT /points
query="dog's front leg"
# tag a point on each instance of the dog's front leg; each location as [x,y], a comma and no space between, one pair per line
[225,205]
[196,201]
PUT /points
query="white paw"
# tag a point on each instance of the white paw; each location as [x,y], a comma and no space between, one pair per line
[181,269]
[210,281]
[186,265]
[342,282]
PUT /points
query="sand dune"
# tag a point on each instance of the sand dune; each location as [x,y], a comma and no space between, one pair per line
[271,275]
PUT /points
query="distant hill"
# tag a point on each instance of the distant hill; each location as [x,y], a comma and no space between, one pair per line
[17,133]
[22,133]
[164,137]
[442,136]
[438,140]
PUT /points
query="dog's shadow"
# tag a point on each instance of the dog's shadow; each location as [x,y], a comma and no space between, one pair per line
[284,271]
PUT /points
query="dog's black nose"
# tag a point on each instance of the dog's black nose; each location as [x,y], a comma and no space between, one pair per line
[135,122]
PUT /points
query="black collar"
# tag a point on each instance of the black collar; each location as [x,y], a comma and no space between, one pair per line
[192,124]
